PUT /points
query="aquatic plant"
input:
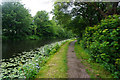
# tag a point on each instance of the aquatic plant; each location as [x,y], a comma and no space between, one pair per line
[27,64]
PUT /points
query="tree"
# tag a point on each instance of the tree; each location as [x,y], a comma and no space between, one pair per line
[62,15]
[41,19]
[16,20]
[76,16]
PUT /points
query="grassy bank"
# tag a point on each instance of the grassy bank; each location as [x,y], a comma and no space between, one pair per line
[95,70]
[56,67]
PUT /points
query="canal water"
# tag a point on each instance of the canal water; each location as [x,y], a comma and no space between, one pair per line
[14,48]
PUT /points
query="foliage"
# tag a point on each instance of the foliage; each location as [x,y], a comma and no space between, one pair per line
[49,28]
[33,37]
[41,19]
[16,20]
[19,25]
[61,15]
[102,41]
[76,16]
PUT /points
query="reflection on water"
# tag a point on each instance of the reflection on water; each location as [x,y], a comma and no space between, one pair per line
[10,48]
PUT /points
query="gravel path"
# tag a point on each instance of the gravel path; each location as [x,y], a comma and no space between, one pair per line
[75,67]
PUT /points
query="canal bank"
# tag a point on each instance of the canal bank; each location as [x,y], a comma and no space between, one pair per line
[30,62]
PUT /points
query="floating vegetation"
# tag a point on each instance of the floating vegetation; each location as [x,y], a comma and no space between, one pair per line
[27,64]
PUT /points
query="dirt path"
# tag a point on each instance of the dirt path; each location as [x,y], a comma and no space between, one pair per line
[75,67]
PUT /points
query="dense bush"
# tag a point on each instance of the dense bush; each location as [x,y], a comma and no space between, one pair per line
[103,43]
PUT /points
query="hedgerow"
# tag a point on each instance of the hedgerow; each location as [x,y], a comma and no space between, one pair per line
[103,43]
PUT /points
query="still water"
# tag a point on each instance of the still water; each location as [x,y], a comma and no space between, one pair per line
[14,48]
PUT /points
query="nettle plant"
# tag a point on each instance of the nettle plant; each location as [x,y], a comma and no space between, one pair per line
[103,43]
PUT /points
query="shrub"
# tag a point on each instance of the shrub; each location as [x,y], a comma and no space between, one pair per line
[103,43]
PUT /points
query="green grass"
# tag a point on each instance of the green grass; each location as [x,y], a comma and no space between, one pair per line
[56,67]
[95,70]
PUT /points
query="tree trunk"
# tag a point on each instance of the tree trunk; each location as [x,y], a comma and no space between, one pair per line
[115,7]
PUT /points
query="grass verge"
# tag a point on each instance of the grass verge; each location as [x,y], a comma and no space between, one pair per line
[56,67]
[95,70]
